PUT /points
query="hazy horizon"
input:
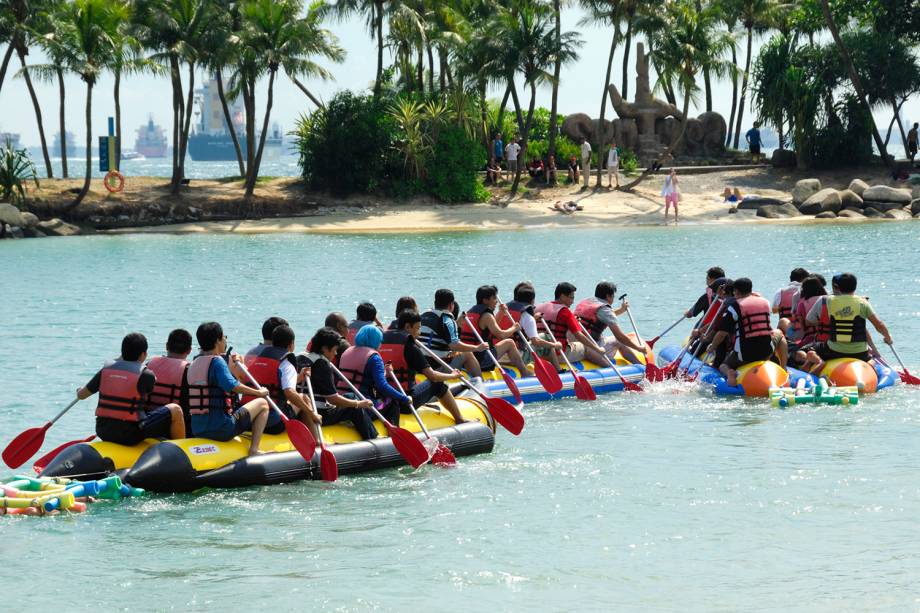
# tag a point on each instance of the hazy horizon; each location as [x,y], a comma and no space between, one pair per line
[143,95]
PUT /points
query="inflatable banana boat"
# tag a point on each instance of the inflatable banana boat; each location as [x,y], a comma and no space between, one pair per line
[867,378]
[189,464]
[754,379]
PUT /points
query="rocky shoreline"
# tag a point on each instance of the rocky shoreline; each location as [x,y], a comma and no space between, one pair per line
[858,201]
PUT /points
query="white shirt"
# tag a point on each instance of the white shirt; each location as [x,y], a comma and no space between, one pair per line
[288,376]
[613,158]
[670,187]
[585,150]
[779,293]
[511,151]
[528,325]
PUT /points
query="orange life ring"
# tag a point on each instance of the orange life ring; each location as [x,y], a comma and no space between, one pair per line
[114,181]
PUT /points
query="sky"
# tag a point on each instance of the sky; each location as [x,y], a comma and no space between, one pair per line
[580,91]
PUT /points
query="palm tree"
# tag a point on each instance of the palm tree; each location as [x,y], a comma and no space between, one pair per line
[128,59]
[53,72]
[85,36]
[275,37]
[373,11]
[753,14]
[693,42]
[6,36]
[855,80]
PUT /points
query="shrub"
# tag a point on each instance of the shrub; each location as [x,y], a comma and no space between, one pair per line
[16,170]
[453,172]
[629,163]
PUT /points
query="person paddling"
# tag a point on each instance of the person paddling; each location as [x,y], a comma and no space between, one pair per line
[362,365]
[406,360]
[212,386]
[847,314]
[365,315]
[482,316]
[785,301]
[334,407]
[124,413]
[705,300]
[439,333]
[597,314]
[405,303]
[171,386]
[576,345]
[522,310]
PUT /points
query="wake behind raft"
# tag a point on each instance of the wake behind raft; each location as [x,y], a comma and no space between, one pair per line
[189,464]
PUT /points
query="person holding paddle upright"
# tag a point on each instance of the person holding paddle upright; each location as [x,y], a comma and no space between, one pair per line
[406,360]
[480,323]
[522,310]
[362,365]
[558,316]
[439,334]
[124,414]
[597,314]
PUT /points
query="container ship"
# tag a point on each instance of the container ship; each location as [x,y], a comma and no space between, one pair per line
[151,140]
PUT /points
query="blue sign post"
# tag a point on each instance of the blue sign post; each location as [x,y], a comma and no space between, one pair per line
[109,150]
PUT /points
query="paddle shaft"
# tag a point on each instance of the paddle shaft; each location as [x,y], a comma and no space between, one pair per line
[698,324]
[466,381]
[411,406]
[360,396]
[523,338]
[898,358]
[258,385]
[601,351]
[668,329]
[319,426]
[479,338]
[632,322]
[65,409]
[564,357]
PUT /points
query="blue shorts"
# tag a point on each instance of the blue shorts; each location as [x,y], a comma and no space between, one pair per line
[232,426]
[157,423]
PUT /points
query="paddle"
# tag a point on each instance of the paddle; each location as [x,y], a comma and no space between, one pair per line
[502,411]
[409,447]
[583,389]
[30,441]
[43,461]
[652,342]
[545,372]
[297,431]
[328,466]
[630,387]
[906,377]
[671,370]
[651,370]
[442,455]
[509,380]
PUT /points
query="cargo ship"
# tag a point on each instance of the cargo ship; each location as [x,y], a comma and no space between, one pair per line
[211,140]
[151,141]
[55,150]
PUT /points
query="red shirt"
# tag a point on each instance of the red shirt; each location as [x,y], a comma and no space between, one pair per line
[567,318]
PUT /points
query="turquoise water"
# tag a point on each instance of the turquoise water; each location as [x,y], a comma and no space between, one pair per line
[670,500]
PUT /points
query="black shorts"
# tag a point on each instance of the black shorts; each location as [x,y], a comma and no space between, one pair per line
[155,424]
[753,350]
[755,149]
[826,353]
[912,148]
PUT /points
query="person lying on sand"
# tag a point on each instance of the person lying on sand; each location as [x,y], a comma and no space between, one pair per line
[567,208]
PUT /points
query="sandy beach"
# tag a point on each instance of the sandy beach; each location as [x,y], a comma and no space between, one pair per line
[283,205]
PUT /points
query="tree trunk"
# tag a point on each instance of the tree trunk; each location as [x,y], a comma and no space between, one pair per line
[442,73]
[599,132]
[230,126]
[625,89]
[897,117]
[667,152]
[744,85]
[517,111]
[420,68]
[431,69]
[501,110]
[484,117]
[38,113]
[378,8]
[525,133]
[87,178]
[708,85]
[254,173]
[250,106]
[178,116]
[117,93]
[5,64]
[855,80]
[62,125]
[306,91]
[187,126]
[557,68]
[731,118]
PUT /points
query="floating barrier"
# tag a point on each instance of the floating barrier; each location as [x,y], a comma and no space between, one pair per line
[23,495]
[820,393]
[189,464]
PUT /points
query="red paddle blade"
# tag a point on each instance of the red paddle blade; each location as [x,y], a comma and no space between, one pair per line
[652,342]
[443,456]
[328,466]
[909,379]
[653,373]
[409,447]
[43,461]
[505,415]
[547,376]
[583,389]
[632,387]
[24,446]
[301,438]
[512,386]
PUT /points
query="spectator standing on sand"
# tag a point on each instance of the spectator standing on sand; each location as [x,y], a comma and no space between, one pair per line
[512,151]
[912,142]
[753,139]
[613,165]
[573,170]
[586,160]
[551,170]
[671,192]
[498,149]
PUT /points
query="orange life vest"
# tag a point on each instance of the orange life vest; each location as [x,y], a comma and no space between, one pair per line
[754,314]
[170,373]
[393,352]
[118,395]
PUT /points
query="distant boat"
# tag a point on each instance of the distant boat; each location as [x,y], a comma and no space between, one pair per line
[151,140]
[132,155]
[71,145]
[9,137]
[211,141]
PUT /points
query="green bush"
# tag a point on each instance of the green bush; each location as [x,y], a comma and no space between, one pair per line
[629,163]
[345,147]
[453,171]
[16,169]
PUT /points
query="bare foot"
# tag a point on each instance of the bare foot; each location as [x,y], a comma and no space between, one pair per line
[255,452]
[732,378]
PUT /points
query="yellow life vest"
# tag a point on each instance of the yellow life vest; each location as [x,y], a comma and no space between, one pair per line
[847,325]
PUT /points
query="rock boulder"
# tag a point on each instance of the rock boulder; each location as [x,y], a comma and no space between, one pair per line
[755,202]
[778,211]
[885,206]
[915,206]
[783,158]
[883,193]
[56,227]
[898,214]
[872,212]
[858,186]
[29,220]
[826,215]
[826,200]
[10,214]
[805,189]
[850,199]
[851,214]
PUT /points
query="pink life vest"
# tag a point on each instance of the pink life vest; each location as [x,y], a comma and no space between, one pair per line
[754,313]
[170,373]
[202,395]
[586,311]
[550,312]
[352,364]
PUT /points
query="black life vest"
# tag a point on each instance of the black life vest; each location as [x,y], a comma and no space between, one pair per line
[434,333]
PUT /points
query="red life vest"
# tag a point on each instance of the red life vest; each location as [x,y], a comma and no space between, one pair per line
[393,352]
[202,396]
[352,364]
[515,310]
[586,311]
[473,316]
[550,312]
[264,364]
[353,327]
[786,296]
[170,373]
[713,312]
[754,313]
[118,395]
